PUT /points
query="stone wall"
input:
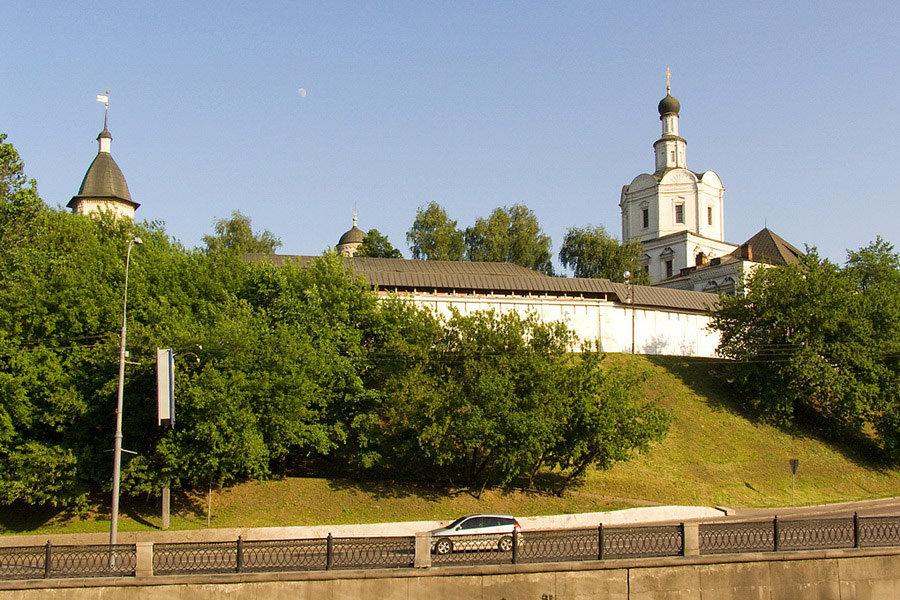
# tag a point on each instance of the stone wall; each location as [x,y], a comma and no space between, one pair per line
[613,325]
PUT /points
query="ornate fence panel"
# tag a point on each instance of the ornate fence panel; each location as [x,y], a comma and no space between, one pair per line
[26,562]
[283,555]
[205,557]
[373,552]
[879,531]
[813,534]
[557,545]
[480,549]
[725,538]
[635,542]
[34,562]
[93,561]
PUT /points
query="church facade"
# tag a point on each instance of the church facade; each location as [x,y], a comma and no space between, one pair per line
[678,215]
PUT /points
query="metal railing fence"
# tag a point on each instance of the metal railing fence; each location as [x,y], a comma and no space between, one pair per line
[262,556]
[49,561]
[774,535]
[534,546]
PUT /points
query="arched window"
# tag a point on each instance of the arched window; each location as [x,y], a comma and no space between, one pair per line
[727,286]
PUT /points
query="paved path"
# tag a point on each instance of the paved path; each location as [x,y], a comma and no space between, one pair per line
[866,508]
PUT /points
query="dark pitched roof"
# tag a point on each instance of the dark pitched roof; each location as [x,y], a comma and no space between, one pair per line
[397,274]
[770,248]
[767,247]
[103,179]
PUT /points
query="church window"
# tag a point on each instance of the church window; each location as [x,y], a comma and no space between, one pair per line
[668,268]
[645,215]
[679,213]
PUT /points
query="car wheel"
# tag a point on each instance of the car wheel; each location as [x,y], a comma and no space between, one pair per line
[443,546]
[505,544]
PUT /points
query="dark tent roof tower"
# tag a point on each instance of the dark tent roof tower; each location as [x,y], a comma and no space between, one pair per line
[103,184]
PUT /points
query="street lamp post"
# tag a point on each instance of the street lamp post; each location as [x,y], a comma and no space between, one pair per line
[630,288]
[117,447]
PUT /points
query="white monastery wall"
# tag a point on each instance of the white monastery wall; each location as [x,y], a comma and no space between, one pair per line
[667,332]
[86,207]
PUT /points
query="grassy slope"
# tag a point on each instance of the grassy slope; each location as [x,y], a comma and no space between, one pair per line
[715,455]
[712,455]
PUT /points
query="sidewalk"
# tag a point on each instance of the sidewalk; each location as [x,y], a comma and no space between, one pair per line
[649,514]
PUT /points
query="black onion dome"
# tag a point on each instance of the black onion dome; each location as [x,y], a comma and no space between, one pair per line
[668,105]
[354,236]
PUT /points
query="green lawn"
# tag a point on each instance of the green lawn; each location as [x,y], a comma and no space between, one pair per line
[713,455]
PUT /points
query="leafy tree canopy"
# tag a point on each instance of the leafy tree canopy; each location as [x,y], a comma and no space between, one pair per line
[498,398]
[510,234]
[434,236]
[377,245]
[12,172]
[299,367]
[236,233]
[817,341]
[592,252]
[20,204]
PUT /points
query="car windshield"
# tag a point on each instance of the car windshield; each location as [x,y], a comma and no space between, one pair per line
[457,522]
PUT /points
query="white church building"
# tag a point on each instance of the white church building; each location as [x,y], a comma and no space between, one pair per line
[678,215]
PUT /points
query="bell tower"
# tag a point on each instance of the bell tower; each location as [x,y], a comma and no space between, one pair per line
[676,213]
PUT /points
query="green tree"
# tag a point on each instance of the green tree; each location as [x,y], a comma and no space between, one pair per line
[608,422]
[510,234]
[592,252]
[236,233]
[498,398]
[819,342]
[58,307]
[875,273]
[434,236]
[20,204]
[12,172]
[377,245]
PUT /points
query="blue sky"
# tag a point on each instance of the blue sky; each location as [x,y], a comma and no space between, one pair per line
[473,105]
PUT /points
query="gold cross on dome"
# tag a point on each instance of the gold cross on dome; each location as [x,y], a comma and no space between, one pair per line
[668,80]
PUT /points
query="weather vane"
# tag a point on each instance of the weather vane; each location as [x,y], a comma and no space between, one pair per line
[104,98]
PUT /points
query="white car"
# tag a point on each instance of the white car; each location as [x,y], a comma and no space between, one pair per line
[476,532]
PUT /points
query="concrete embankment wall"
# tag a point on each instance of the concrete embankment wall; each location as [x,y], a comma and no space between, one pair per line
[866,574]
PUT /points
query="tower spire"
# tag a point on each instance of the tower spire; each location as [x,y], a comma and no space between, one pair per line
[105,136]
[103,187]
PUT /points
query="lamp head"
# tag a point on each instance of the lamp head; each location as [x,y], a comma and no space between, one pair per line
[138,241]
